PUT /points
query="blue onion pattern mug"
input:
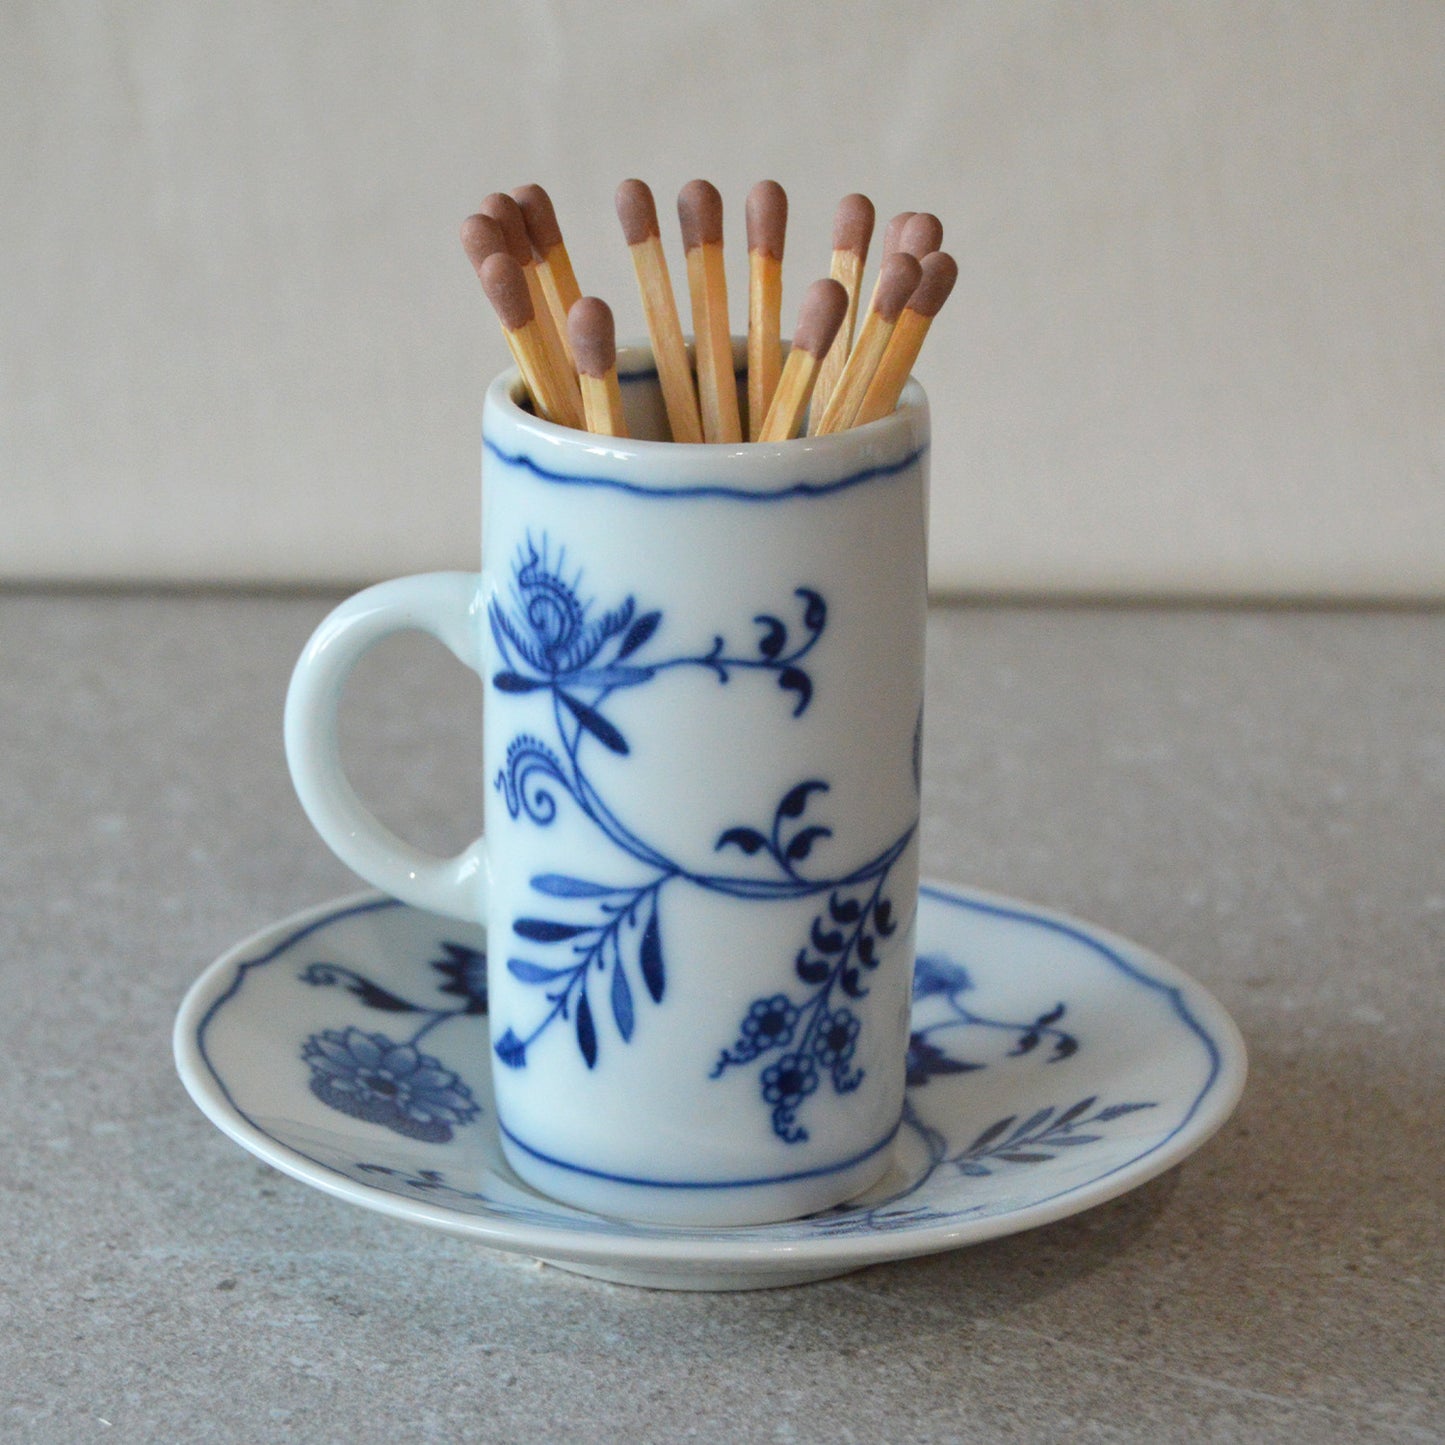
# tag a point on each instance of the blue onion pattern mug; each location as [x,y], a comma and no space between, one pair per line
[703,674]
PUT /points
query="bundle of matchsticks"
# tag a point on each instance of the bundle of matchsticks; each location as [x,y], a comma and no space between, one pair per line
[565,345]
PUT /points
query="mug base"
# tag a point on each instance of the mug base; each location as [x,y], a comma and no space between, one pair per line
[706,1205]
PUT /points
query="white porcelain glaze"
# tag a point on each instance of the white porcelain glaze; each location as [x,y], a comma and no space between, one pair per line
[703,672]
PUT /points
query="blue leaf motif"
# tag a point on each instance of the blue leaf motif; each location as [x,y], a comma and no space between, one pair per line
[527,972]
[544,930]
[774,638]
[622,1002]
[815,611]
[650,958]
[586,1032]
[638,633]
[595,724]
[558,885]
[802,843]
[515,682]
[748,839]
[794,679]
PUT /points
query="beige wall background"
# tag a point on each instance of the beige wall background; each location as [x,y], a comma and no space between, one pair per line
[1197,348]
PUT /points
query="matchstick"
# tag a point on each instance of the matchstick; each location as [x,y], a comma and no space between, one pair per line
[482,238]
[700,210]
[819,318]
[767,215]
[554,265]
[506,289]
[893,233]
[921,234]
[852,231]
[638,214]
[594,344]
[897,281]
[508,216]
[940,271]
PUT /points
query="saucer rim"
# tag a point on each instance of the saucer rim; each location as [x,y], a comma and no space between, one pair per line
[738,1248]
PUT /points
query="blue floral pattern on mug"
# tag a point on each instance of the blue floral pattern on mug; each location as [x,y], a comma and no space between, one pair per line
[551,640]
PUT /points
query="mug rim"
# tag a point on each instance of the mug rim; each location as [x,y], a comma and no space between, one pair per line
[800,466]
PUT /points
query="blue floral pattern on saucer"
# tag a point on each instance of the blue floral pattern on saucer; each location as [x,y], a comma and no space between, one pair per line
[1051,1067]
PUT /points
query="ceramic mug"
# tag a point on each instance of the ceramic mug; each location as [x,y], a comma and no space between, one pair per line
[703,674]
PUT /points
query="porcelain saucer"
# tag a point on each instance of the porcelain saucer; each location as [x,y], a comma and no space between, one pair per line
[1052,1066]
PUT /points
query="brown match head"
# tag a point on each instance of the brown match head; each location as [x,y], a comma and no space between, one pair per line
[700,212]
[893,232]
[922,234]
[481,237]
[940,271]
[508,216]
[898,279]
[853,224]
[637,211]
[539,217]
[506,289]
[767,211]
[593,336]
[819,317]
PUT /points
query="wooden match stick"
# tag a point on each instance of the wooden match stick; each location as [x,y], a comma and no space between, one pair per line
[554,265]
[594,344]
[767,213]
[481,239]
[700,210]
[508,216]
[852,231]
[819,317]
[638,214]
[921,234]
[897,281]
[940,271]
[506,289]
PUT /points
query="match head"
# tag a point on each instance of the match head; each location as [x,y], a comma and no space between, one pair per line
[700,212]
[539,217]
[921,235]
[508,216]
[898,279]
[593,336]
[893,232]
[506,289]
[819,317]
[853,224]
[940,271]
[637,211]
[481,237]
[767,212]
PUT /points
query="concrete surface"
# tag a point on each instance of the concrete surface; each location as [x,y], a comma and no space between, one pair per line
[1260,797]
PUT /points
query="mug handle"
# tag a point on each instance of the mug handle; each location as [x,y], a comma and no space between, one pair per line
[448,606]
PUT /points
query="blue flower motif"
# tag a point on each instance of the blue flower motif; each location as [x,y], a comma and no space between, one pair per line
[370,1077]
[935,974]
[769,1023]
[789,1081]
[837,1038]
[550,629]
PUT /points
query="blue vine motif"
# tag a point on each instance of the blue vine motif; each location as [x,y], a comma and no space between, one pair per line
[373,1077]
[550,641]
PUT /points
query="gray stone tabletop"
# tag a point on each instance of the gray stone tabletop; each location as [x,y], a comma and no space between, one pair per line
[1257,796]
